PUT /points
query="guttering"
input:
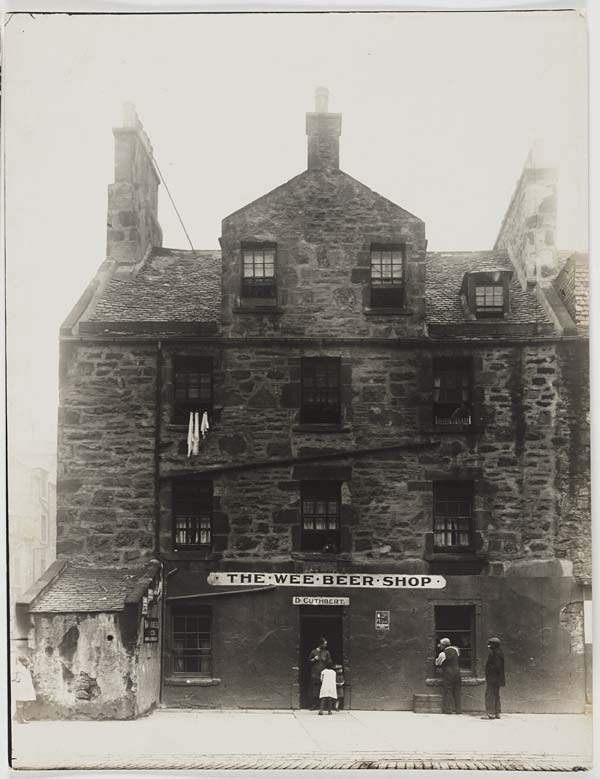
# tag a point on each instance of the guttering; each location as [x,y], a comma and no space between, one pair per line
[276,462]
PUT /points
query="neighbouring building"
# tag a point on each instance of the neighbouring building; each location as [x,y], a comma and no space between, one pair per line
[373,408]
[32,528]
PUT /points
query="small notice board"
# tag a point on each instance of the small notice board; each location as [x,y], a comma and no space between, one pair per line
[150,630]
[382,620]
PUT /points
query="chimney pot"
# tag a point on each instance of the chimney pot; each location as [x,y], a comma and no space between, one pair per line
[321,100]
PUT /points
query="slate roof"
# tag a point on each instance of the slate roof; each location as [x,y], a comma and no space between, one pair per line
[172,286]
[445,273]
[89,589]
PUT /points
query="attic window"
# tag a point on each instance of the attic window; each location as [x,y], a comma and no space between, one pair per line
[258,271]
[487,293]
[489,300]
[387,276]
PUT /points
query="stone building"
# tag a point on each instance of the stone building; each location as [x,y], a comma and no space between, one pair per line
[32,527]
[373,409]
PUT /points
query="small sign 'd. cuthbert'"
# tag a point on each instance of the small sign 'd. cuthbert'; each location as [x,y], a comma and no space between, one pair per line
[385,581]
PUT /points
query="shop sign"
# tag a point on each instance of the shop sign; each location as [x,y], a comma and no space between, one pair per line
[382,620]
[150,630]
[308,600]
[385,581]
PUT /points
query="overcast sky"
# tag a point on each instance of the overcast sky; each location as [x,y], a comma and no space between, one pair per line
[439,111]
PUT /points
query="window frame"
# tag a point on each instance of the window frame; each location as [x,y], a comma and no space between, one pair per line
[198,613]
[317,539]
[487,310]
[466,668]
[189,365]
[463,493]
[179,511]
[314,413]
[459,366]
[385,291]
[258,288]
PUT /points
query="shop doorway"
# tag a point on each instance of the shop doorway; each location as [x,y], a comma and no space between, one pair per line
[317,621]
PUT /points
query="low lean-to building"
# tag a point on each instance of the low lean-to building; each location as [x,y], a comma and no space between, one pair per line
[374,410]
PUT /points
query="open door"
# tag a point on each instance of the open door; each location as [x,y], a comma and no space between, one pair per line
[317,621]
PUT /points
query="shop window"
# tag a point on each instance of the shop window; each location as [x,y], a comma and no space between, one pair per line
[458,624]
[193,387]
[320,516]
[452,393]
[192,514]
[191,641]
[321,401]
[258,270]
[452,515]
[387,276]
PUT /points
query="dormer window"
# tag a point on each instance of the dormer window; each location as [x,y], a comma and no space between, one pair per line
[489,301]
[387,276]
[258,271]
[486,293]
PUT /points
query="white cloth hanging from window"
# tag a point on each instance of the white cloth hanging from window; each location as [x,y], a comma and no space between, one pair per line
[190,436]
[196,434]
[204,426]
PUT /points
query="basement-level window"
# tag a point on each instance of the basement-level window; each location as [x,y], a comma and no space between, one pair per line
[458,624]
[387,276]
[321,398]
[193,387]
[452,404]
[191,644]
[192,514]
[258,270]
[320,516]
[452,515]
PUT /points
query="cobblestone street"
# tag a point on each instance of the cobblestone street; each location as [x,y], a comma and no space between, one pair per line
[175,738]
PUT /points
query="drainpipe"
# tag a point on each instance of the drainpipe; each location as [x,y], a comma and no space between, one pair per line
[157,424]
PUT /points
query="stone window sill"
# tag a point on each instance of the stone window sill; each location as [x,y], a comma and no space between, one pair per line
[467,681]
[256,309]
[455,428]
[386,312]
[191,554]
[191,681]
[320,428]
[321,557]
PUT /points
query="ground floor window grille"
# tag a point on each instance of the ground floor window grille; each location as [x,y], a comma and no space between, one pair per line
[321,516]
[191,646]
[458,624]
[452,515]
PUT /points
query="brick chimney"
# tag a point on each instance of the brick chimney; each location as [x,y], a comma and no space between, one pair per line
[323,130]
[132,226]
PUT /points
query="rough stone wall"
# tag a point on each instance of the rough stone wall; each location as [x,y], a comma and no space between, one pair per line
[132,198]
[572,284]
[528,228]
[510,454]
[323,223]
[83,667]
[574,531]
[93,666]
[105,490]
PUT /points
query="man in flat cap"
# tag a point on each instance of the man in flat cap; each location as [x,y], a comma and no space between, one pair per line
[447,660]
[494,678]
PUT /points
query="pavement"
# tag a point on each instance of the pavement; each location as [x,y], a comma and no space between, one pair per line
[257,739]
